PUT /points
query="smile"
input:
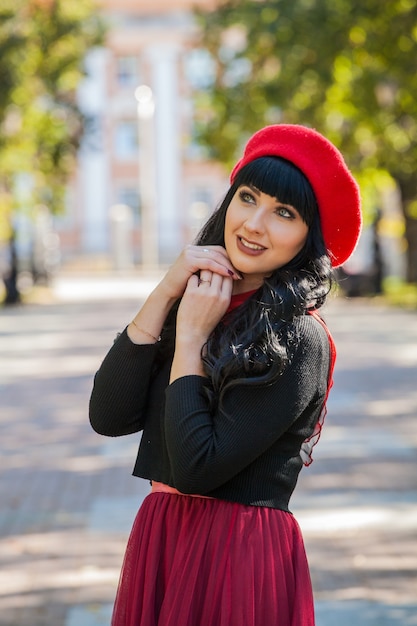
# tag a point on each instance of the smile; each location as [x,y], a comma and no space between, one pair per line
[251,246]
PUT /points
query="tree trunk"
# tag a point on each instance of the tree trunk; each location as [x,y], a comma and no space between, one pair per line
[10,276]
[408,190]
[411,236]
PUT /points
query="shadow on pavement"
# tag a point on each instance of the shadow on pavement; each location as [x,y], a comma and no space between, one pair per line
[68,497]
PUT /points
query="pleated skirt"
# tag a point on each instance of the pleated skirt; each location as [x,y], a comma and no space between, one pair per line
[193,561]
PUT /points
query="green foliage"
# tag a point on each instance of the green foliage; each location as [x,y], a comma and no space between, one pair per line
[401,294]
[272,64]
[346,68]
[42,47]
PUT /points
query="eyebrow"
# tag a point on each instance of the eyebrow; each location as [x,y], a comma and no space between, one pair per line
[255,189]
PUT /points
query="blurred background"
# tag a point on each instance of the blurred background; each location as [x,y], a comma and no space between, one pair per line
[120,119]
[119,122]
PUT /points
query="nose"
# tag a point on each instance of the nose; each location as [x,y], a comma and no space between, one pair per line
[255,223]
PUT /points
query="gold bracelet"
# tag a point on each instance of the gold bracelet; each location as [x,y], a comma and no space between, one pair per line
[145,332]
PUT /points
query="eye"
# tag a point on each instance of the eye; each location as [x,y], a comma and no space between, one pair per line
[284,211]
[247,196]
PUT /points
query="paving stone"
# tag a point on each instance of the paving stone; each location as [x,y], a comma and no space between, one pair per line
[90,615]
[348,613]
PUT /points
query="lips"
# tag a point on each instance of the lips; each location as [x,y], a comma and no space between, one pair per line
[249,247]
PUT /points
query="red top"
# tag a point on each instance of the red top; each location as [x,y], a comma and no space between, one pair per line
[239,299]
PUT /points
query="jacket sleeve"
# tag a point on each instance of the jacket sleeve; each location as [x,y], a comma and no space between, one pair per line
[206,450]
[120,391]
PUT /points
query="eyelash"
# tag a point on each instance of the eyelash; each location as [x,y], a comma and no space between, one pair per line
[288,215]
[246,196]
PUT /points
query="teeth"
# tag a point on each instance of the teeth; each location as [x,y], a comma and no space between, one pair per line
[252,246]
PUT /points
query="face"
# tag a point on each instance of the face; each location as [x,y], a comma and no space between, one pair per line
[261,234]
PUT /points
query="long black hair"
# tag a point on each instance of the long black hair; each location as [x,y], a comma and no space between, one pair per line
[254,341]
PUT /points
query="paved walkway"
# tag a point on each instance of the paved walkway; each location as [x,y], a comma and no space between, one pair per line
[68,498]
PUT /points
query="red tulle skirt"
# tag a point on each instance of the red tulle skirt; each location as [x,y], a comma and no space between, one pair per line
[193,561]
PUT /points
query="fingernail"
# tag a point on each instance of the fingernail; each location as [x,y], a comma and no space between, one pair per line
[230,273]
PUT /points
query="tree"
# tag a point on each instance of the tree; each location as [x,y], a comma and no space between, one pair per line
[42,47]
[347,69]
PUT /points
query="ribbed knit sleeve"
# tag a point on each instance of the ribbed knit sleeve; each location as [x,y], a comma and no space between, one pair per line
[207,450]
[119,396]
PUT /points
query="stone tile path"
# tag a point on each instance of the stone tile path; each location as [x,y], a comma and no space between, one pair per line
[68,498]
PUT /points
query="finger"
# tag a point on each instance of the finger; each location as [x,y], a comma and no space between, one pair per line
[217,261]
[227,287]
[217,279]
[206,276]
[223,287]
[221,283]
[193,282]
[196,259]
[216,250]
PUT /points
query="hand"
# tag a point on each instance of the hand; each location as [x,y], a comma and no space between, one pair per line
[195,259]
[204,303]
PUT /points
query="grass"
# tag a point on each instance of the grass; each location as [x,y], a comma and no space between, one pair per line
[401,294]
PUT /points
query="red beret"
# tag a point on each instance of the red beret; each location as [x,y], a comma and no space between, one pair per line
[336,190]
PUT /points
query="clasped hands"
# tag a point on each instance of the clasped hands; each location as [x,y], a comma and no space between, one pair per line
[202,277]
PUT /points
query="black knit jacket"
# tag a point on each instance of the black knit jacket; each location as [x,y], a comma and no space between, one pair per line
[248,451]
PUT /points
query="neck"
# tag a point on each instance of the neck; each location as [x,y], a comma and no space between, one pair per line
[248,283]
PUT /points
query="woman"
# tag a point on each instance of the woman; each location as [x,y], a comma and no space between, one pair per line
[226,370]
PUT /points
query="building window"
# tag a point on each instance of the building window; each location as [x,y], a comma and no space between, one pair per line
[200,194]
[127,73]
[126,140]
[199,68]
[200,207]
[129,195]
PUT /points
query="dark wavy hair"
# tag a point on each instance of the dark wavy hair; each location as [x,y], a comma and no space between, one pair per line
[254,342]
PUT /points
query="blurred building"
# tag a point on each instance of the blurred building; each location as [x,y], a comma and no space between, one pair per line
[143,186]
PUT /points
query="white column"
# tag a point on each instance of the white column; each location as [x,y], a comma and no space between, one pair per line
[163,60]
[147,173]
[93,166]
